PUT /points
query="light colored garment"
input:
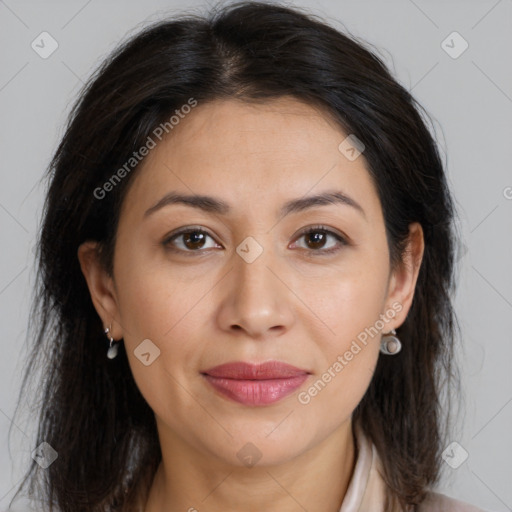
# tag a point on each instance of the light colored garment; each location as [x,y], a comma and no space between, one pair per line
[366,489]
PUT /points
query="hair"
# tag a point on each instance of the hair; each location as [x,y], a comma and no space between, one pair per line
[90,409]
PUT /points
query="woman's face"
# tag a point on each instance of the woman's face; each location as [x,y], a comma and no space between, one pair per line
[245,284]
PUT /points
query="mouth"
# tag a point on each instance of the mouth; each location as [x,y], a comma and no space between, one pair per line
[255,384]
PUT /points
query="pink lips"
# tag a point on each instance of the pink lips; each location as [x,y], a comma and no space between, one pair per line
[256,384]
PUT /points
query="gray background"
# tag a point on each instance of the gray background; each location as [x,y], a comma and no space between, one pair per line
[469,98]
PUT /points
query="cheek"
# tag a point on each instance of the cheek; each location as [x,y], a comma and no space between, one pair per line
[335,393]
[347,365]
[348,304]
[167,312]
[348,336]
[154,296]
[167,308]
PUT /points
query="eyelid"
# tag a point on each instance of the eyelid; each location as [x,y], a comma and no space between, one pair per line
[186,229]
[326,229]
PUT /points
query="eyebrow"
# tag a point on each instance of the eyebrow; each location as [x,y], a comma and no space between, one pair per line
[214,205]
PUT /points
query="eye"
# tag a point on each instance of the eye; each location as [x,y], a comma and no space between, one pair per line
[193,239]
[316,238]
[188,239]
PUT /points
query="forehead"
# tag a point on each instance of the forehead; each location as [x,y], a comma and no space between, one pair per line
[251,154]
[285,129]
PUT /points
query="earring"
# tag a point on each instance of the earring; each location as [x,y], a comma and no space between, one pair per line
[390,344]
[113,349]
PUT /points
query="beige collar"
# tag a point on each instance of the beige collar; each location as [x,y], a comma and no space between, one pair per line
[366,490]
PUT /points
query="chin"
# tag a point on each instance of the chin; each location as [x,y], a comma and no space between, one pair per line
[259,449]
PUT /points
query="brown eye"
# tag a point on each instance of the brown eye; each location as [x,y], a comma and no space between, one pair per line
[193,239]
[188,240]
[317,237]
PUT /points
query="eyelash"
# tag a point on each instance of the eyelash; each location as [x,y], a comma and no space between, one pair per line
[313,229]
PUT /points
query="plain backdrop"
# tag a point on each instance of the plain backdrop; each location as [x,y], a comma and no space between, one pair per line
[467,93]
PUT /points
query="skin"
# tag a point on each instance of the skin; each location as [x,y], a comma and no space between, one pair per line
[211,306]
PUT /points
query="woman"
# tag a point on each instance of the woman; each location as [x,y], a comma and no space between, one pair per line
[246,268]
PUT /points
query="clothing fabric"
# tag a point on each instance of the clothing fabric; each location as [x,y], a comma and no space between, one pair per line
[366,489]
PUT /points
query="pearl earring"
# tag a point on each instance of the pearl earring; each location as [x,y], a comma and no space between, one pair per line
[390,344]
[113,348]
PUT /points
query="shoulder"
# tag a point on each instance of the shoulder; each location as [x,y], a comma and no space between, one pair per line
[436,502]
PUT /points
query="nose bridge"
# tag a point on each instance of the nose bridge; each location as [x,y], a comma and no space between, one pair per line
[257,298]
[252,261]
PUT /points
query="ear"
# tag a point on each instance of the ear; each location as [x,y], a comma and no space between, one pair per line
[403,280]
[101,287]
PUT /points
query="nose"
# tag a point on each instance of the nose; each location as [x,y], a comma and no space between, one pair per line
[256,299]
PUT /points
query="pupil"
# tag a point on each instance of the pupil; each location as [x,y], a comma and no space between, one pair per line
[193,238]
[318,237]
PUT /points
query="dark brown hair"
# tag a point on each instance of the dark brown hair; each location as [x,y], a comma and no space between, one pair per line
[91,411]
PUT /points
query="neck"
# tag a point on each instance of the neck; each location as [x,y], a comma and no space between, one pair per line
[317,479]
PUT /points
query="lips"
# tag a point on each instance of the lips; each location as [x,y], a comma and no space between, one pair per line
[255,384]
[248,371]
